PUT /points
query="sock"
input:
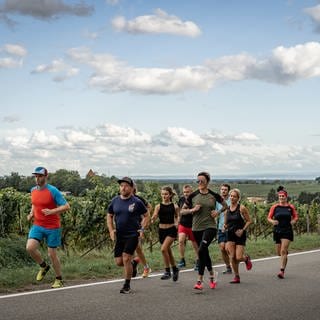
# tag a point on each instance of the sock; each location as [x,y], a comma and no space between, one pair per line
[43,264]
[59,278]
[127,283]
[174,268]
[167,270]
[282,269]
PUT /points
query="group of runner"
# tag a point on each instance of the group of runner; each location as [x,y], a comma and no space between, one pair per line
[200,216]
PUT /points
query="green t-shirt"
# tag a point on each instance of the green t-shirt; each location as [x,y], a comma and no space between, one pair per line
[202,218]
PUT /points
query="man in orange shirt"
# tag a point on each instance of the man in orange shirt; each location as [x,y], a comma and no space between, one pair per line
[47,205]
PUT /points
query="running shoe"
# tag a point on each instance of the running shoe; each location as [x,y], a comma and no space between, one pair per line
[248,263]
[57,284]
[42,272]
[182,263]
[212,283]
[227,271]
[125,289]
[198,285]
[166,276]
[175,274]
[134,263]
[146,272]
[236,279]
[281,275]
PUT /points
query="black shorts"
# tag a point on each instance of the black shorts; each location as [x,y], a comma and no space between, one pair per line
[232,237]
[278,235]
[169,232]
[125,245]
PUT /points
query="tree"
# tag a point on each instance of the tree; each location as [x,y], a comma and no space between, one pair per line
[272,196]
[66,180]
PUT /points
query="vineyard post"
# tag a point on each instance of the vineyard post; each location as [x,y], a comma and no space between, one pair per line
[308,220]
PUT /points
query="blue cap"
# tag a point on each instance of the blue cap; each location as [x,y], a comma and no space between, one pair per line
[40,170]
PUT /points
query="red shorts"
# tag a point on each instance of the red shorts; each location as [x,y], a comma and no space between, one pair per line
[187,231]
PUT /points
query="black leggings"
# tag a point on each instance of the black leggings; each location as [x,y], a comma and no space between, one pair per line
[203,239]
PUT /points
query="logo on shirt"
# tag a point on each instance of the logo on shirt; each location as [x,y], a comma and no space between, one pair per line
[131,207]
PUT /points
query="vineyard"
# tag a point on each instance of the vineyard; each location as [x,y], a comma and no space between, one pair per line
[84,224]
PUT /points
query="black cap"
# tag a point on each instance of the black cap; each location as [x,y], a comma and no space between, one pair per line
[128,180]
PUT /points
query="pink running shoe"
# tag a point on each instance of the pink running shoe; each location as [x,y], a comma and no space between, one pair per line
[236,279]
[212,284]
[248,263]
[281,275]
[198,285]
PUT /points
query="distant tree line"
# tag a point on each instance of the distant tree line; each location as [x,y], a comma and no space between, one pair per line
[65,180]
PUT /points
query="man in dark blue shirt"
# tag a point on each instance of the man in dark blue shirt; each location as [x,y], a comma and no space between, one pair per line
[129,216]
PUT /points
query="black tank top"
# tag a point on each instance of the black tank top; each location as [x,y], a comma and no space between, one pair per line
[234,219]
[166,213]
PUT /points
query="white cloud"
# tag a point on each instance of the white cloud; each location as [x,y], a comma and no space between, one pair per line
[246,136]
[41,139]
[184,137]
[160,22]
[13,54]
[123,150]
[59,67]
[10,63]
[15,49]
[122,136]
[299,62]
[283,66]
[314,13]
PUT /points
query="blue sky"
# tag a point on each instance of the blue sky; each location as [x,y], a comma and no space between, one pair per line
[159,88]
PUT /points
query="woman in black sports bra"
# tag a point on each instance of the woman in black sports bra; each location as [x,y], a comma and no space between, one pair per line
[168,214]
[237,220]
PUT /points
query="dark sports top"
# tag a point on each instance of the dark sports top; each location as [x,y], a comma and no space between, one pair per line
[185,219]
[166,213]
[202,218]
[234,219]
[128,214]
[284,214]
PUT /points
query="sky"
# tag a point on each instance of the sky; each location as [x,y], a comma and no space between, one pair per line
[157,88]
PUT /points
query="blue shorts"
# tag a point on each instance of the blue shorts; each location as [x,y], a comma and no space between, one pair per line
[52,236]
[222,236]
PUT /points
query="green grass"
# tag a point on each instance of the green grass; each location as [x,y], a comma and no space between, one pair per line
[99,265]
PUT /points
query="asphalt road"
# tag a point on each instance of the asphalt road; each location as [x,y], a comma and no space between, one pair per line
[261,295]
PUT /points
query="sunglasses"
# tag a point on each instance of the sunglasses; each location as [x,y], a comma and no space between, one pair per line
[201,182]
